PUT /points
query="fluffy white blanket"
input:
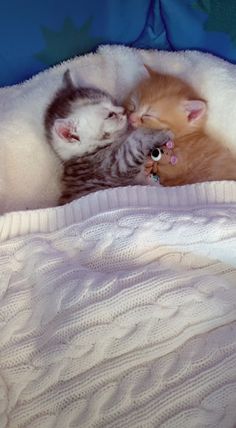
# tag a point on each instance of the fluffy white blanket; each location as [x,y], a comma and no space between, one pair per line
[119,310]
[30,172]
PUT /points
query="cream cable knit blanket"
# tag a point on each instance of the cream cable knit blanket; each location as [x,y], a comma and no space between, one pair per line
[120,311]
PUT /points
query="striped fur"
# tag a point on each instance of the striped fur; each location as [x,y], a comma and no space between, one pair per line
[118,164]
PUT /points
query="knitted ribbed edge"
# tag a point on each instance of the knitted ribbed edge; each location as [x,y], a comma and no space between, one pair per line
[52,219]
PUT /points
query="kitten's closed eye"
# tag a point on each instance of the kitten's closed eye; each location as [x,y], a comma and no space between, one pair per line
[111,115]
[149,116]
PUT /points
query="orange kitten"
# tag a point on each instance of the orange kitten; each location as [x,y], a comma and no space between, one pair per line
[166,102]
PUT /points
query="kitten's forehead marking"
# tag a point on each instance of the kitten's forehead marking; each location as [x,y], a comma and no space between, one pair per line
[91,108]
[134,98]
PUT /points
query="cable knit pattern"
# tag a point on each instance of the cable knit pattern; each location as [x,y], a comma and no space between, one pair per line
[124,317]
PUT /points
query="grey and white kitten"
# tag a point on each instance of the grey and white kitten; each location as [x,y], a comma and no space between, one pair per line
[90,134]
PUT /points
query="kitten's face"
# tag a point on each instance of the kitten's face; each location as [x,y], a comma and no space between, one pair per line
[164,102]
[88,127]
[101,121]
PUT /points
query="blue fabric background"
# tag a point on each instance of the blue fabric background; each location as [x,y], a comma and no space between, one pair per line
[37,34]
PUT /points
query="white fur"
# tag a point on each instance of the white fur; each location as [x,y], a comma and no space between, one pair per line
[88,123]
[30,171]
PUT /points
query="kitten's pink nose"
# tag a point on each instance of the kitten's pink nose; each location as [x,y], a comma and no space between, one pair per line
[134,119]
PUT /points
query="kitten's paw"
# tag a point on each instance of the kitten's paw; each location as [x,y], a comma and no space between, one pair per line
[163,137]
[170,134]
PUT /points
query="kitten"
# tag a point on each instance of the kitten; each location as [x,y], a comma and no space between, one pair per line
[166,102]
[78,120]
[90,134]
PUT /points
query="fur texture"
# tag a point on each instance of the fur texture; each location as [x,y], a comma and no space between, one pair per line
[118,164]
[166,102]
[89,133]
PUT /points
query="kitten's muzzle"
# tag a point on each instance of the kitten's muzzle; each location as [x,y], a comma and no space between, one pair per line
[134,120]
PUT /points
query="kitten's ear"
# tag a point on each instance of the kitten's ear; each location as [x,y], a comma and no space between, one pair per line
[150,71]
[194,109]
[67,80]
[66,130]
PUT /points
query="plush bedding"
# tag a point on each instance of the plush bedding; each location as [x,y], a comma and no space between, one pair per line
[30,172]
[119,310]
